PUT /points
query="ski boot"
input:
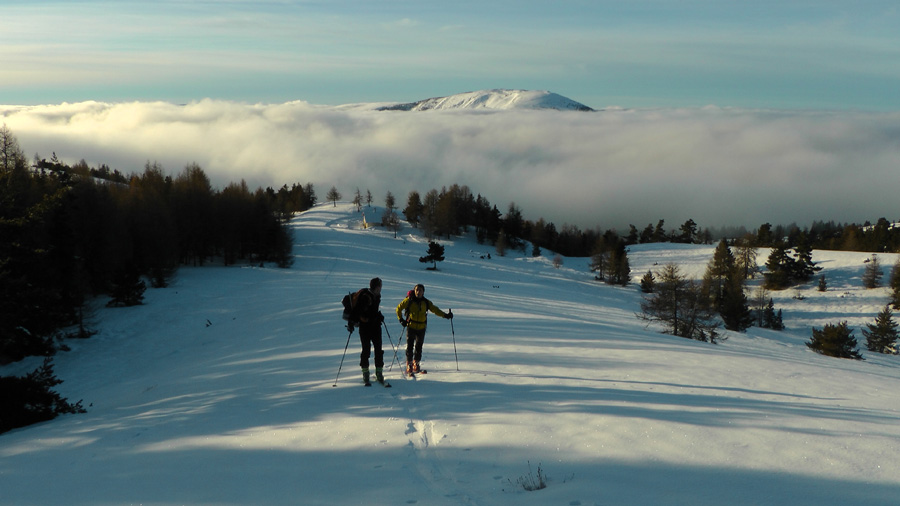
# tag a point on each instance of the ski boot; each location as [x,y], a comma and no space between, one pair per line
[365,374]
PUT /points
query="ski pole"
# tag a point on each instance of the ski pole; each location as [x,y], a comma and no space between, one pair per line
[397,351]
[392,344]
[342,357]
[453,333]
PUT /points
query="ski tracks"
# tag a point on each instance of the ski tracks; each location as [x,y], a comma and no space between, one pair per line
[426,459]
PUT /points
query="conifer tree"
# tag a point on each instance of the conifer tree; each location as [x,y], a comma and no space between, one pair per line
[834,341]
[872,274]
[31,398]
[719,272]
[745,258]
[435,255]
[882,334]
[895,285]
[770,318]
[778,322]
[678,304]
[600,259]
[779,268]
[414,208]
[733,307]
[648,282]
[803,267]
[647,234]
[622,273]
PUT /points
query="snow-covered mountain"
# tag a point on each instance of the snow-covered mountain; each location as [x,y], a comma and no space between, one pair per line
[499,99]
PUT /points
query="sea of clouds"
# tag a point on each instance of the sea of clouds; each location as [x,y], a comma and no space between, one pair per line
[606,169]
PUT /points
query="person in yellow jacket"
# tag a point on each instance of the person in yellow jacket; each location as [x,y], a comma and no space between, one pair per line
[416,308]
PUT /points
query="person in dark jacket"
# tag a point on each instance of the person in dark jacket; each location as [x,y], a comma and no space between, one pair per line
[416,307]
[370,319]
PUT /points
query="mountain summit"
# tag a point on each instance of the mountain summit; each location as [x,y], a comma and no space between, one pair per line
[494,100]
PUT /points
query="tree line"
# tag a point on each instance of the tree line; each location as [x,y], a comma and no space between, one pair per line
[71,233]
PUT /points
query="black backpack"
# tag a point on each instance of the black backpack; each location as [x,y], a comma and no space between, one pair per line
[350,314]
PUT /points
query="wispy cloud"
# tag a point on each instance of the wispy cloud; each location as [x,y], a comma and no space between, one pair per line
[606,169]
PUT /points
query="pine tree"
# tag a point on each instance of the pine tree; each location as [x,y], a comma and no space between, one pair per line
[31,399]
[618,269]
[723,285]
[688,232]
[414,208]
[600,259]
[768,315]
[678,304]
[780,267]
[823,285]
[803,267]
[881,335]
[835,341]
[872,274]
[895,285]
[719,272]
[778,321]
[648,282]
[745,258]
[128,289]
[733,306]
[435,255]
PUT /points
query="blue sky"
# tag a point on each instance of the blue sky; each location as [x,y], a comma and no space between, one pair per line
[725,112]
[661,53]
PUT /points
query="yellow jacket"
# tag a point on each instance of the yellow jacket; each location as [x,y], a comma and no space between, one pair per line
[418,311]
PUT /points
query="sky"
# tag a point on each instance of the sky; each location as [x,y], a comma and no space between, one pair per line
[798,54]
[727,113]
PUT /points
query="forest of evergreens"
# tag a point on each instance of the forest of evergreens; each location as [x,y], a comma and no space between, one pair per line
[70,233]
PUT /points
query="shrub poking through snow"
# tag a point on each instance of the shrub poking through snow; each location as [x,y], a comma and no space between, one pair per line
[533,481]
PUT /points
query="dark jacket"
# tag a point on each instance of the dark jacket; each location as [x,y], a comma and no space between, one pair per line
[367,308]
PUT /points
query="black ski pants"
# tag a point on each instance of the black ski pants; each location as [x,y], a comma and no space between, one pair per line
[370,337]
[415,338]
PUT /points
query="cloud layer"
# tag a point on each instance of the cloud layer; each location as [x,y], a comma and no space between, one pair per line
[608,169]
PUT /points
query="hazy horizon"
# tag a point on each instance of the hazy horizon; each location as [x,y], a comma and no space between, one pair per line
[606,169]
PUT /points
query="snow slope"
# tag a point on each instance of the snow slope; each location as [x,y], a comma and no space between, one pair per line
[498,99]
[219,391]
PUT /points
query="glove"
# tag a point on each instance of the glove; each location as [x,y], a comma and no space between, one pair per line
[449,315]
[404,322]
[380,317]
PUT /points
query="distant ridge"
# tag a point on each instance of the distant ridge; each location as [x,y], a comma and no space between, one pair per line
[499,99]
